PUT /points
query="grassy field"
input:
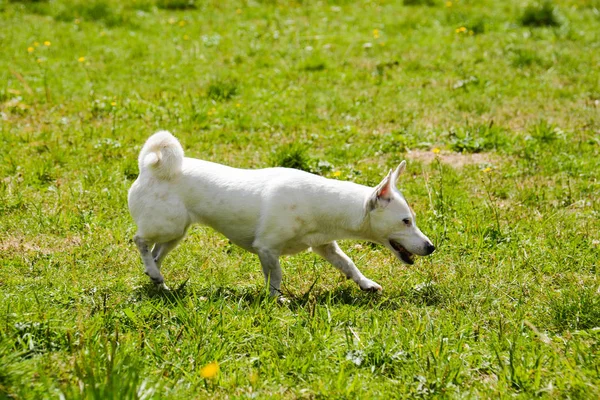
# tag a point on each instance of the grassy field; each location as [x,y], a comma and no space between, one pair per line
[494,104]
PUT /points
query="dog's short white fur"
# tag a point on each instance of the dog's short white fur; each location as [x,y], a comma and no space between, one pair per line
[270,212]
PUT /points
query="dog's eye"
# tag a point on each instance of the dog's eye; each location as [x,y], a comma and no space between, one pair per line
[406,221]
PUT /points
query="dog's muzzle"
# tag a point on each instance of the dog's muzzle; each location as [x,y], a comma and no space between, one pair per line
[408,257]
[405,255]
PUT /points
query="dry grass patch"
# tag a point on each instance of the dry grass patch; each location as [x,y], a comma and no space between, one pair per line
[43,244]
[455,160]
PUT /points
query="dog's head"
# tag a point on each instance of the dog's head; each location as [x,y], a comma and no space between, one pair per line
[392,221]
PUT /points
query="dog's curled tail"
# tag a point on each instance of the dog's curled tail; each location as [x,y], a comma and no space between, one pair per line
[162,155]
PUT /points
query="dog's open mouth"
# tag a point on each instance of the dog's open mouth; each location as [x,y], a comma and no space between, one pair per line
[405,255]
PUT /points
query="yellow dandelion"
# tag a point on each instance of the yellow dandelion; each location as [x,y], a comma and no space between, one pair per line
[238,105]
[186,37]
[182,23]
[486,170]
[39,60]
[36,44]
[337,173]
[81,59]
[436,150]
[238,11]
[210,371]
[113,103]
[30,49]
[376,33]
[47,43]
[448,4]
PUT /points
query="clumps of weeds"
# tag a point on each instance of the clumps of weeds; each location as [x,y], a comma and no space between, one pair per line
[576,308]
[427,3]
[545,132]
[541,14]
[94,11]
[314,64]
[475,27]
[522,57]
[427,293]
[478,138]
[295,155]
[292,155]
[382,70]
[33,338]
[222,89]
[177,5]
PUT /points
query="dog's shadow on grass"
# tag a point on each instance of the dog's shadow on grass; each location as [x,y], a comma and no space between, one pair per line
[235,294]
[254,295]
[151,291]
[346,296]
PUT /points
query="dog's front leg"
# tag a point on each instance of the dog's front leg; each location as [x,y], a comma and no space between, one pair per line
[269,261]
[332,253]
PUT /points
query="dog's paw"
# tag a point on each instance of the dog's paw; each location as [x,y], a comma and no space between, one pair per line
[369,286]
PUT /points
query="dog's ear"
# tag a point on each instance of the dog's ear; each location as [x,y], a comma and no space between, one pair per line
[398,171]
[382,194]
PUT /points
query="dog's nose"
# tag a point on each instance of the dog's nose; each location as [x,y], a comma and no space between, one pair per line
[429,248]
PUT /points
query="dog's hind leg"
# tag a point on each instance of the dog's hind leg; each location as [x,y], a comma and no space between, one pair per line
[332,253]
[151,269]
[160,250]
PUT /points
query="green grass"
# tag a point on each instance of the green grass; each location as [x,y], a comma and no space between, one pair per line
[495,106]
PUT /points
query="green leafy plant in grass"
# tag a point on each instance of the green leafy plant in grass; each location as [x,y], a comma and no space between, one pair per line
[177,4]
[477,26]
[467,143]
[292,155]
[33,338]
[95,11]
[222,89]
[522,57]
[517,368]
[313,64]
[541,14]
[35,6]
[9,364]
[544,132]
[28,1]
[428,3]
[478,138]
[109,370]
[427,293]
[576,308]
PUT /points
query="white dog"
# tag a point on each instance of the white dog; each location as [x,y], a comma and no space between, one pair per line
[269,212]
